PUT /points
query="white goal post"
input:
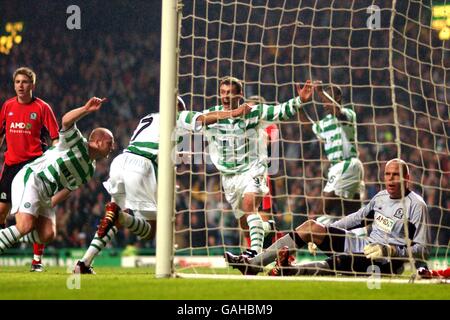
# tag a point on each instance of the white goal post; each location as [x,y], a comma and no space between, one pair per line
[166,174]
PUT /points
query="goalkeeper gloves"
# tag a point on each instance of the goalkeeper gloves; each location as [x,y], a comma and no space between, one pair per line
[377,250]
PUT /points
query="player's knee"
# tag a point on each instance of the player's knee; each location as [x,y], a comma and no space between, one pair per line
[4,210]
[305,229]
[47,235]
[25,223]
[247,205]
[309,229]
[250,203]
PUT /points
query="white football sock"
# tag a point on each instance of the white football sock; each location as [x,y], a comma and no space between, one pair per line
[256,229]
[97,245]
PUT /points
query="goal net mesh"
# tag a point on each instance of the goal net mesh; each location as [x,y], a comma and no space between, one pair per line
[394,74]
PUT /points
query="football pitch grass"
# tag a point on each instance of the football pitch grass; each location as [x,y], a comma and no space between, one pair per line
[140,284]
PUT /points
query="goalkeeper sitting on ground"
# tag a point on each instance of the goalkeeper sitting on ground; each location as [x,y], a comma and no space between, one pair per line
[385,247]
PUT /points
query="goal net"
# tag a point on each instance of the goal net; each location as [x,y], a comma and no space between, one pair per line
[392,68]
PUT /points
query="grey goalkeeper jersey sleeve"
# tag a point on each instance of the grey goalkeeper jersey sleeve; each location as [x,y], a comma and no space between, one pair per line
[389,218]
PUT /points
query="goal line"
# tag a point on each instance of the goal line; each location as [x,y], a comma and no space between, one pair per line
[371,279]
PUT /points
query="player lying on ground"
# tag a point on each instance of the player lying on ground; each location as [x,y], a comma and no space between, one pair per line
[384,247]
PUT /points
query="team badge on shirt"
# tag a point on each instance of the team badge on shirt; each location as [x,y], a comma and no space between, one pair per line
[33,116]
[399,213]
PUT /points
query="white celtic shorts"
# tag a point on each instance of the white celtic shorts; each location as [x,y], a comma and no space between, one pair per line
[30,196]
[132,184]
[235,186]
[346,178]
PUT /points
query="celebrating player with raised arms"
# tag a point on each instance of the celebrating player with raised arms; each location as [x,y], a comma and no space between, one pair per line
[345,185]
[239,152]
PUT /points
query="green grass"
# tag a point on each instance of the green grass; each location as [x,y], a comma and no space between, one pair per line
[139,283]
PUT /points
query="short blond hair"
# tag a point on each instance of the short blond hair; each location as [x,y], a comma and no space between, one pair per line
[26,72]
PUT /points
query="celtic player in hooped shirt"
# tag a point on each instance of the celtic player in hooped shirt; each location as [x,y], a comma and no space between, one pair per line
[238,150]
[61,169]
[344,190]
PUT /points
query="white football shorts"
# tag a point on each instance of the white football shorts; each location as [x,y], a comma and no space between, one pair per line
[346,178]
[235,186]
[132,184]
[30,196]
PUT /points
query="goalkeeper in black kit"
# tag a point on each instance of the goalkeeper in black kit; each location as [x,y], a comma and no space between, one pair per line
[394,215]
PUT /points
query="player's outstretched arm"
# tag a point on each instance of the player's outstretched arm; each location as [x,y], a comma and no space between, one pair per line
[288,109]
[215,116]
[60,196]
[74,115]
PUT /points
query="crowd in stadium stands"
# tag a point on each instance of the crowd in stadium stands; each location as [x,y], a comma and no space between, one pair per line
[125,69]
